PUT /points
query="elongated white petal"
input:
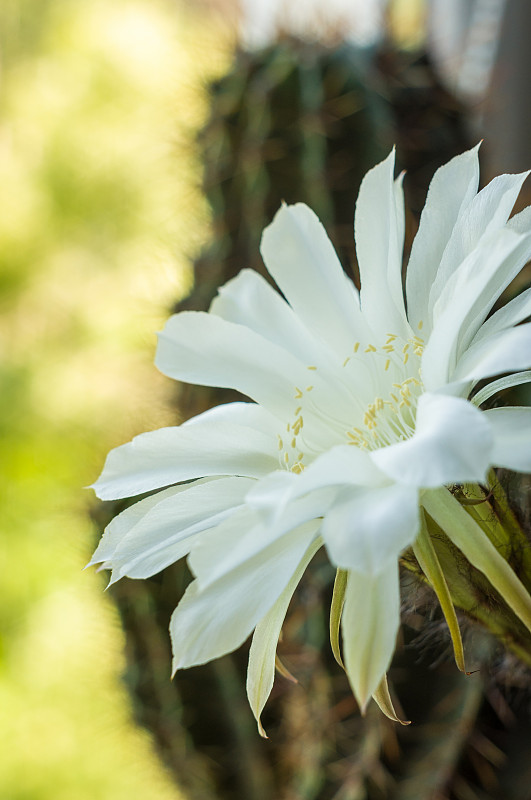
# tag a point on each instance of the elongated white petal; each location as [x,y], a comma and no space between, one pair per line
[485,215]
[340,466]
[227,547]
[521,222]
[249,300]
[500,385]
[452,443]
[205,349]
[211,622]
[512,313]
[248,415]
[466,299]
[452,188]
[168,529]
[506,351]
[300,257]
[366,529]
[262,653]
[379,238]
[511,429]
[170,455]
[124,522]
[371,617]
[163,457]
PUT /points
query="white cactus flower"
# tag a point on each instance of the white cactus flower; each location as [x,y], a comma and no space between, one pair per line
[364,409]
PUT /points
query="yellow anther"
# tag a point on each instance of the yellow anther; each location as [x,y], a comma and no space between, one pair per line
[312,368]
[405,348]
[395,398]
[345,362]
[356,347]
[388,348]
[298,410]
[406,358]
[419,326]
[288,427]
[390,337]
[300,457]
[379,403]
[298,393]
[286,458]
[280,443]
[370,348]
[309,388]
[387,362]
[294,443]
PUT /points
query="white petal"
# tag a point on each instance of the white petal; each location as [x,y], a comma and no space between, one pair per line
[169,529]
[227,547]
[512,313]
[262,653]
[452,443]
[250,415]
[340,466]
[207,624]
[452,188]
[506,351]
[300,257]
[511,428]
[249,300]
[487,213]
[370,624]
[171,455]
[379,238]
[501,385]
[466,300]
[202,348]
[365,529]
[120,526]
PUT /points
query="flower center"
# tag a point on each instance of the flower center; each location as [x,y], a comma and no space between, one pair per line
[389,372]
[388,421]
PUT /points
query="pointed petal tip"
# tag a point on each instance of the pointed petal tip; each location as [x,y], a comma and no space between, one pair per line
[261,730]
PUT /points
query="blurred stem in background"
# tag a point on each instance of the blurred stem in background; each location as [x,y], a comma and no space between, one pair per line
[99,211]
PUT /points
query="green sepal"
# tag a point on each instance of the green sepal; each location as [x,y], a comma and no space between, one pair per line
[383,699]
[336,609]
[431,567]
[475,545]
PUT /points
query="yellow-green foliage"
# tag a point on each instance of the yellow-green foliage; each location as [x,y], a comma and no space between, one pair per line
[99,209]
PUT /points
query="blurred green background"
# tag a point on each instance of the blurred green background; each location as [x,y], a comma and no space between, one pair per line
[100,212]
